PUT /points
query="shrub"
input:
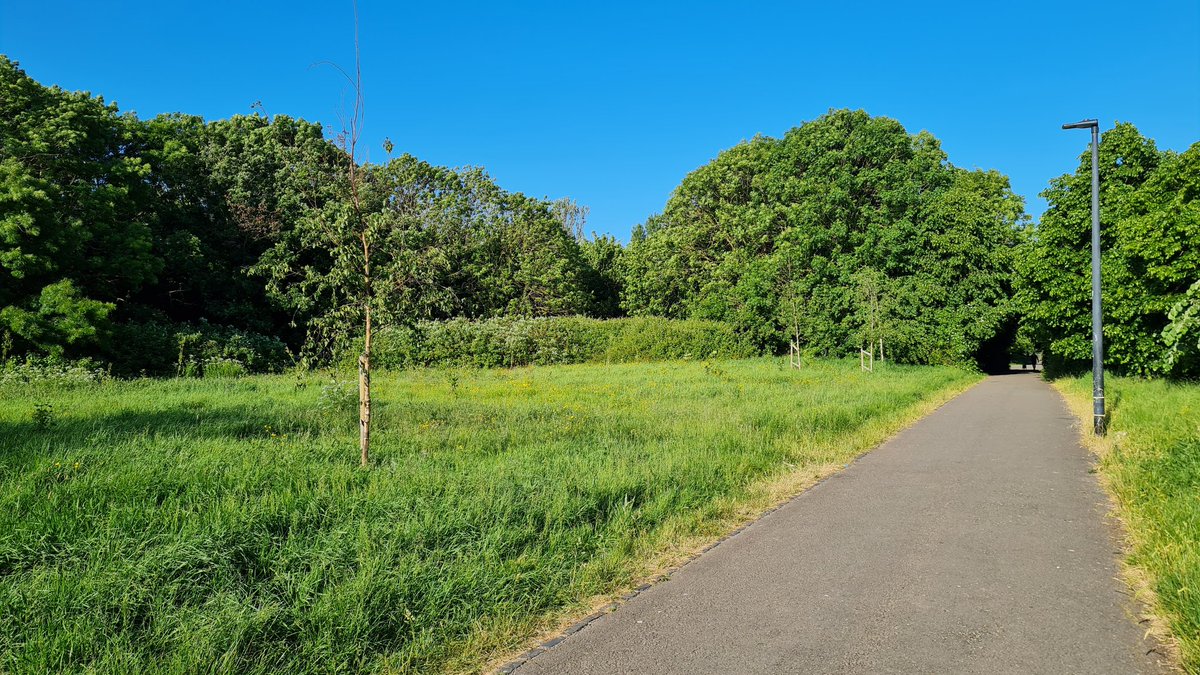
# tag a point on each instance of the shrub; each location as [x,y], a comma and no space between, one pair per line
[1182,335]
[43,415]
[162,348]
[508,341]
[657,339]
[338,397]
[223,367]
[51,371]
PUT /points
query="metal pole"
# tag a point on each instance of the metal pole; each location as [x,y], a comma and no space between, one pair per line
[1098,419]
[1097,335]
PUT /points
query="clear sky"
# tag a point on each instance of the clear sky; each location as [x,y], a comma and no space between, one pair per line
[612,103]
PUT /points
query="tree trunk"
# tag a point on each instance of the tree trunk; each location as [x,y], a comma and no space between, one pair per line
[364,360]
[364,395]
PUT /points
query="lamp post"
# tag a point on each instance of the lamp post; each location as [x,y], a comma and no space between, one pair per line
[1097,338]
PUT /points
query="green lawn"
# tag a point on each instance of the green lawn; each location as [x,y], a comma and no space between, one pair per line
[1151,463]
[224,525]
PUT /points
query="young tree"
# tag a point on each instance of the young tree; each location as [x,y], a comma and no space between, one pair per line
[872,286]
[323,266]
[794,297]
[359,225]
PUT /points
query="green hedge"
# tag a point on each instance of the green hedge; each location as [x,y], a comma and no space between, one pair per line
[506,342]
[191,349]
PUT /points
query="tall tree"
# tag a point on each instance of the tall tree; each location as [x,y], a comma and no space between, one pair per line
[75,239]
[572,215]
[604,260]
[1150,221]
[836,195]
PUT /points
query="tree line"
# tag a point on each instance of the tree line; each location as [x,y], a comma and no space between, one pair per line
[153,244]
[122,237]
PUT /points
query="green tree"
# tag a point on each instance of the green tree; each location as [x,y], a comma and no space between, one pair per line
[604,274]
[74,236]
[1182,335]
[834,196]
[1149,220]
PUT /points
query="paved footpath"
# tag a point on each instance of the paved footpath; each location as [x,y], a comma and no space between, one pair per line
[976,541]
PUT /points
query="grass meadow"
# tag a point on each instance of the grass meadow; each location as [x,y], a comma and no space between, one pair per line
[223,525]
[1150,461]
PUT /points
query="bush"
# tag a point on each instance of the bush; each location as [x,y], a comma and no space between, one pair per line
[338,397]
[507,342]
[1182,335]
[657,339]
[51,371]
[162,348]
[222,367]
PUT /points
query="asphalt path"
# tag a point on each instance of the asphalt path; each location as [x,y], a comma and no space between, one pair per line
[976,541]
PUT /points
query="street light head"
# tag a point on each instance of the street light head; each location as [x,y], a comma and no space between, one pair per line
[1082,124]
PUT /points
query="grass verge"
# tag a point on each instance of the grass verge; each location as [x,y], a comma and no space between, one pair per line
[223,525]
[1150,464]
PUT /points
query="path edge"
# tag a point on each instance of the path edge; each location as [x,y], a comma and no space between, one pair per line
[544,644]
[1137,579]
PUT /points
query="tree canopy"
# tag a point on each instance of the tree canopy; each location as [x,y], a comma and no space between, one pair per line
[1150,226]
[837,200]
[75,233]
[156,244]
[119,236]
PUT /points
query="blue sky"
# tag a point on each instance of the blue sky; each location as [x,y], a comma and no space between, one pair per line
[612,103]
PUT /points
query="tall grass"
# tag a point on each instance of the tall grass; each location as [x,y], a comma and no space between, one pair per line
[1151,463]
[222,525]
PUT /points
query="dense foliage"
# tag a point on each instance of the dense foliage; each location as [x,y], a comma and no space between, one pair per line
[1150,230]
[75,236]
[116,232]
[847,230]
[444,244]
[123,239]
